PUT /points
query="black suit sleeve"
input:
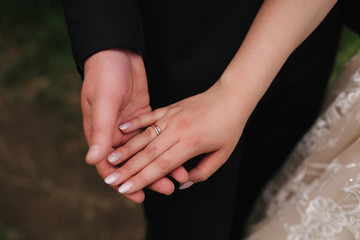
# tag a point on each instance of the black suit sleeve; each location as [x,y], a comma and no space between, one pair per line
[95,25]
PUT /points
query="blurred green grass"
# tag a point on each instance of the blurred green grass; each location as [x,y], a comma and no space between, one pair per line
[36,65]
[8,233]
[348,47]
[37,69]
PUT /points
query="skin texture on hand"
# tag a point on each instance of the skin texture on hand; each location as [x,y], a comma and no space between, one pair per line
[210,122]
[115,90]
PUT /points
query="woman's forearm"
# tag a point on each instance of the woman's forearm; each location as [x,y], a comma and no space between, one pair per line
[278,29]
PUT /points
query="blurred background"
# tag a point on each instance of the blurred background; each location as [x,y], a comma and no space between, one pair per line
[46,189]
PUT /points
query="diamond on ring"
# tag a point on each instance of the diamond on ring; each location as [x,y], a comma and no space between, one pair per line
[156,128]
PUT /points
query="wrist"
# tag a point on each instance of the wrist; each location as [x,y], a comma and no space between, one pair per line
[102,57]
[106,69]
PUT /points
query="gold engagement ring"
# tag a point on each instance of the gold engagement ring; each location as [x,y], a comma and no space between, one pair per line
[156,128]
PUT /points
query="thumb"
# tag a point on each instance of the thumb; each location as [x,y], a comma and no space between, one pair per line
[103,119]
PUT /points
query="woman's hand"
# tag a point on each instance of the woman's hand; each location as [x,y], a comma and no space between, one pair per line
[210,123]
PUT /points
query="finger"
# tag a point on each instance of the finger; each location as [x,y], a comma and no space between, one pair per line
[140,160]
[102,127]
[135,145]
[104,169]
[157,169]
[163,186]
[180,175]
[120,138]
[143,120]
[206,167]
[137,197]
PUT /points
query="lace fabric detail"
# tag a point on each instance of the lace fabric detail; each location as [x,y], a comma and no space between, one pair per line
[324,218]
[317,140]
[317,193]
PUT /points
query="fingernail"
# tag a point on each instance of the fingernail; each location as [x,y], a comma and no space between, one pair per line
[125,187]
[93,151]
[114,157]
[186,185]
[125,126]
[112,178]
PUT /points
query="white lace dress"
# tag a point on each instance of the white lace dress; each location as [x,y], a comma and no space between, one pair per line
[317,193]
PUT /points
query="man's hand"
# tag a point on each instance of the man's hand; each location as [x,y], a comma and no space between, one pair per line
[115,91]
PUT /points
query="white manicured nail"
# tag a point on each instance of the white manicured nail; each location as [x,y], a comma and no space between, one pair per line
[93,151]
[114,157]
[186,185]
[112,178]
[125,126]
[125,187]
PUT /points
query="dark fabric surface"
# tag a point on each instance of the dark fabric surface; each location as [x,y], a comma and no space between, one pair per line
[352,17]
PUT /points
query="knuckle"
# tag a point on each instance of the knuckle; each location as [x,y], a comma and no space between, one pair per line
[96,128]
[158,113]
[194,141]
[163,186]
[99,130]
[171,111]
[163,165]
[182,123]
[150,151]
[125,170]
[149,133]
[140,180]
